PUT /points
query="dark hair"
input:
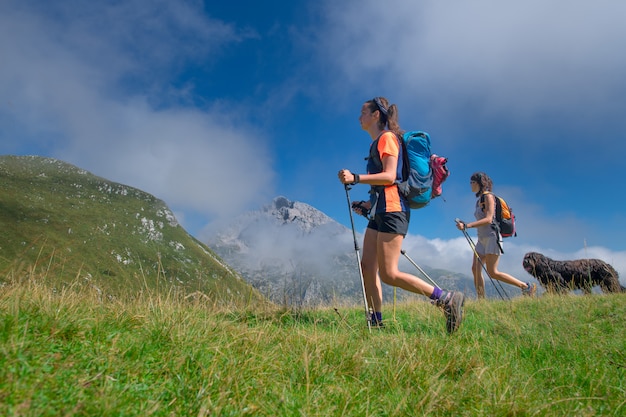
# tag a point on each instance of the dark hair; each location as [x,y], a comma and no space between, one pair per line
[388,114]
[483,181]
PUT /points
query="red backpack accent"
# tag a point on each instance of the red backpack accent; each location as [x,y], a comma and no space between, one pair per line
[440,173]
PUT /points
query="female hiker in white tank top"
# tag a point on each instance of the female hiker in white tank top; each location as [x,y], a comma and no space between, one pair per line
[488,246]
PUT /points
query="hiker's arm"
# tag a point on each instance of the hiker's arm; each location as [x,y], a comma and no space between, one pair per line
[386,177]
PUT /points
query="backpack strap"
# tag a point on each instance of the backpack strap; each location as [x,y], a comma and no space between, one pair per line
[498,208]
[374,158]
[406,163]
[481,201]
[374,163]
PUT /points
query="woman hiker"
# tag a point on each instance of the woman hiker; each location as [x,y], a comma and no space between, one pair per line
[489,246]
[389,221]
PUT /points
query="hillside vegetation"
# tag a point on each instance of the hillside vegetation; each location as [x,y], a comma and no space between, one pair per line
[64,353]
[71,227]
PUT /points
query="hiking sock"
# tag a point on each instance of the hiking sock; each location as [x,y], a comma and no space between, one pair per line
[378,317]
[437,293]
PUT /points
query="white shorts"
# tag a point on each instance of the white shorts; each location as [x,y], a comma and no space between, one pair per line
[488,245]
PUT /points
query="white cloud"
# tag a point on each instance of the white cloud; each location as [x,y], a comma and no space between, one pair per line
[556,62]
[86,80]
[183,156]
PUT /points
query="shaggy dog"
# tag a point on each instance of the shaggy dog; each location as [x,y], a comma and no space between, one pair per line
[563,276]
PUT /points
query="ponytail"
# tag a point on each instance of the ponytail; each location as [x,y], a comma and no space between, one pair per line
[392,121]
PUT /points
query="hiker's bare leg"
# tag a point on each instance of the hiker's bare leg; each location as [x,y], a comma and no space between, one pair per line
[389,246]
[491,262]
[369,264]
[479,281]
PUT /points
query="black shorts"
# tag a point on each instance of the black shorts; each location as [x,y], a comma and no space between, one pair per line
[396,222]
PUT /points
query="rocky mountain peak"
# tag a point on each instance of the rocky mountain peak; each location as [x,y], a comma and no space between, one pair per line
[302,215]
[293,253]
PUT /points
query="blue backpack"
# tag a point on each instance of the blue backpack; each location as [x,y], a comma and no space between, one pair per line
[417,169]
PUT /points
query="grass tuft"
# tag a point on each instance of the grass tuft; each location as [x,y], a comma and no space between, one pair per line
[72,352]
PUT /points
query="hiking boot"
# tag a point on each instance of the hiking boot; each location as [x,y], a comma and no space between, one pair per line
[529,291]
[452,303]
[375,323]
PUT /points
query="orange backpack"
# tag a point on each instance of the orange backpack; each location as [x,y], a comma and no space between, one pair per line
[504,220]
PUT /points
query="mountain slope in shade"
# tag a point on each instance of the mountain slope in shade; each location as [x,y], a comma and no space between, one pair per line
[60,222]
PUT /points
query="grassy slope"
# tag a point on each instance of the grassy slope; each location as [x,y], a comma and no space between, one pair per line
[63,354]
[64,223]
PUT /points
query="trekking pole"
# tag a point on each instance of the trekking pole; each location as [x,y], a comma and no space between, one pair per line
[358,260]
[473,246]
[402,251]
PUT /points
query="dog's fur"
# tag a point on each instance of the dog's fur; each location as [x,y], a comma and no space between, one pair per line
[563,276]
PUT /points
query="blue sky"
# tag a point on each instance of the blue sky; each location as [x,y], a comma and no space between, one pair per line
[217,107]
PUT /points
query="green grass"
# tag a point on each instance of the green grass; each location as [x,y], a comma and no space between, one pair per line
[72,353]
[82,230]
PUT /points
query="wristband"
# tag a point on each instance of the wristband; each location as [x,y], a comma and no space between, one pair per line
[357,178]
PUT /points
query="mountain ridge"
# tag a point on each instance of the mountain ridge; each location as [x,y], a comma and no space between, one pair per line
[68,225]
[317,266]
